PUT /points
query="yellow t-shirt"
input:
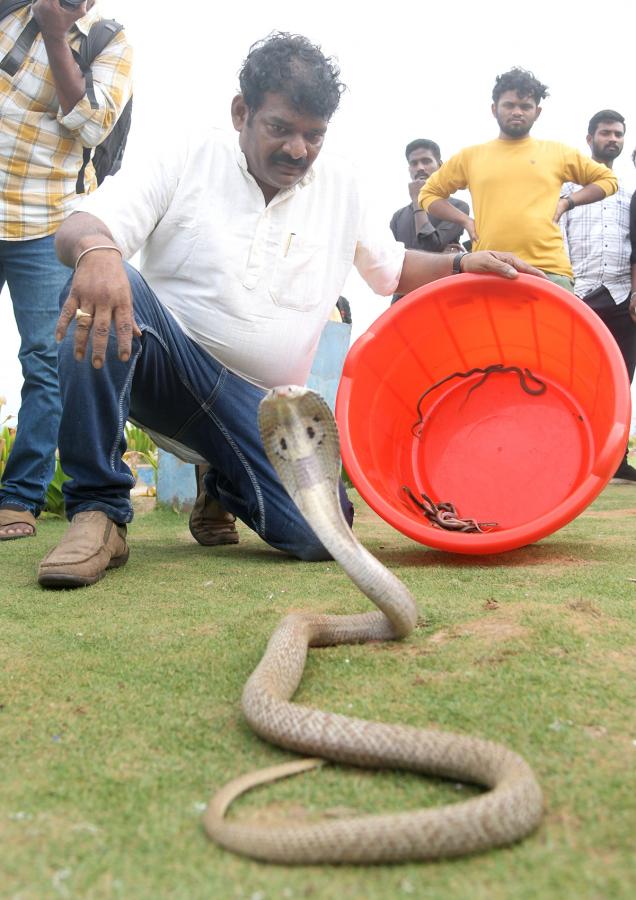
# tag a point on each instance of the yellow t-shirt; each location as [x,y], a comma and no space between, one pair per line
[515,187]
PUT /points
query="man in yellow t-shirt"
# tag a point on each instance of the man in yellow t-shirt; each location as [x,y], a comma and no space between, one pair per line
[515,182]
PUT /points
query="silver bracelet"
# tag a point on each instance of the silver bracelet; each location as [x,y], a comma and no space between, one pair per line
[97,247]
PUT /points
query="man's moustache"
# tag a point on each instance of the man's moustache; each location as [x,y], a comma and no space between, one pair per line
[289,161]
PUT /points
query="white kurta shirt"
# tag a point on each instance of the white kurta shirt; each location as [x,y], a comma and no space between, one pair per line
[252,284]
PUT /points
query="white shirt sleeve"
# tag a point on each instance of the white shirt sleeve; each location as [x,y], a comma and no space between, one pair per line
[133,201]
[378,256]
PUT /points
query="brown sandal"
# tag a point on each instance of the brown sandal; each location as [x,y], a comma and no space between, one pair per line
[210,524]
[10,517]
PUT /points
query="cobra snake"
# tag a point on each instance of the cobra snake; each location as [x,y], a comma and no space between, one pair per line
[301,441]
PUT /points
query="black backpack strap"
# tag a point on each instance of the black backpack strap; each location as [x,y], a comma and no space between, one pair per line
[9,6]
[91,45]
[16,55]
[86,158]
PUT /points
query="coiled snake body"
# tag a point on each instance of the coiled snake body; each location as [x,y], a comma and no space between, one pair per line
[301,441]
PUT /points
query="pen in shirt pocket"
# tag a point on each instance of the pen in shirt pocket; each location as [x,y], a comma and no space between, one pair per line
[290,238]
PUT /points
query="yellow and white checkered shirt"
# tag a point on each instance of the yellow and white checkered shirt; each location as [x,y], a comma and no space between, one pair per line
[40,147]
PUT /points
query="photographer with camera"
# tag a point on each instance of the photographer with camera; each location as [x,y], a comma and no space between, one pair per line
[52,107]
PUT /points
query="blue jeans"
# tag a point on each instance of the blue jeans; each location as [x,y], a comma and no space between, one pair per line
[174,387]
[35,278]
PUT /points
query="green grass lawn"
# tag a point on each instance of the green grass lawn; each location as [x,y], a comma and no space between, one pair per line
[119,710]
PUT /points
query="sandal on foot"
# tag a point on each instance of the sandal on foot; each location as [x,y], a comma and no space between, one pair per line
[13,517]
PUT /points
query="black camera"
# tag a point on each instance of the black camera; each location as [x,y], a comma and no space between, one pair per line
[71,4]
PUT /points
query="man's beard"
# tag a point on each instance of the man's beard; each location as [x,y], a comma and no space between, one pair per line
[606,154]
[515,131]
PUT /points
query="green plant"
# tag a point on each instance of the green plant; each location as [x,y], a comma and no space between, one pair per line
[7,437]
[54,497]
[139,442]
[141,451]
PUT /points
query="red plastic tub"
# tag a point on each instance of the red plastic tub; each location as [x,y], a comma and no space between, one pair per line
[529,462]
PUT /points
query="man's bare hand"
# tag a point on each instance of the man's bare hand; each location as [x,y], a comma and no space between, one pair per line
[492,261]
[561,207]
[100,288]
[54,20]
[414,191]
[469,226]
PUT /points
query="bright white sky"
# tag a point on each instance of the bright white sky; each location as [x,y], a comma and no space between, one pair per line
[412,70]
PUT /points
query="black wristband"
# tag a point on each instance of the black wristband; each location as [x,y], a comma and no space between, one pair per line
[457,263]
[569,201]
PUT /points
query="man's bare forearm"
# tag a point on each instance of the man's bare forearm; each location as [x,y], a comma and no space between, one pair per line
[419,268]
[79,232]
[443,209]
[588,194]
[70,85]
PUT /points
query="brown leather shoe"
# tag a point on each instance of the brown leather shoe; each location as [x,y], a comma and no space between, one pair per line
[92,544]
[210,524]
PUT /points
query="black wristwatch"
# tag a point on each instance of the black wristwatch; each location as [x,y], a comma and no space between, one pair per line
[569,201]
[457,263]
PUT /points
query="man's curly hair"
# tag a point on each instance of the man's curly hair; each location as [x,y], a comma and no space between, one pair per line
[521,81]
[291,65]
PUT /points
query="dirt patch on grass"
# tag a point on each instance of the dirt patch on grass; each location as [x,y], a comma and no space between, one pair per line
[624,660]
[491,630]
[586,607]
[206,629]
[609,513]
[586,616]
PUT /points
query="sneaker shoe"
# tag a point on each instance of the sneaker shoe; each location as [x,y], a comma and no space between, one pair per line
[625,474]
[92,544]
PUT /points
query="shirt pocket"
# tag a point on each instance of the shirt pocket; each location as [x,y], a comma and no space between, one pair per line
[186,235]
[298,275]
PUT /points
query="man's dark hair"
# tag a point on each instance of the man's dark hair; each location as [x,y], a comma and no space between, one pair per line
[291,65]
[521,81]
[423,144]
[605,115]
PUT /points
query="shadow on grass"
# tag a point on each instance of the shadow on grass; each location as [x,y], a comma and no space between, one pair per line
[561,553]
[533,555]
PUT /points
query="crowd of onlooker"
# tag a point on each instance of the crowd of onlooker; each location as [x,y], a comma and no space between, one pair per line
[585,241]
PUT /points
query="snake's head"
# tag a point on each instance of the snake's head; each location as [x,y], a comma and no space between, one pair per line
[295,424]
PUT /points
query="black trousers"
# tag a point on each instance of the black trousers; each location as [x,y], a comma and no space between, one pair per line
[617,319]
